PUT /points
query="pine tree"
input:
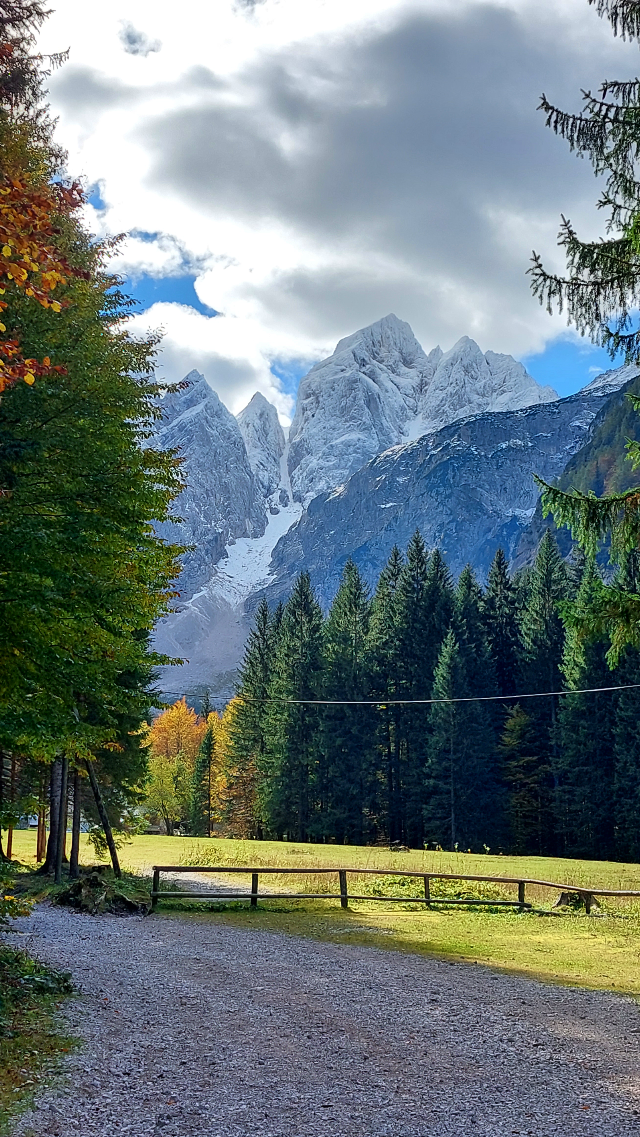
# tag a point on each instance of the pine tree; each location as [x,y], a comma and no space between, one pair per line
[384,656]
[526,775]
[415,675]
[626,744]
[500,615]
[202,787]
[248,724]
[543,638]
[462,797]
[583,797]
[288,770]
[347,732]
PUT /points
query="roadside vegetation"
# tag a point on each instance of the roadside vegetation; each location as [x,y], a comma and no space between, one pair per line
[31,1042]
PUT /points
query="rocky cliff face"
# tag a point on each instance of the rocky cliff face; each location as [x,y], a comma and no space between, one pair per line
[355,404]
[468,487]
[264,442]
[222,499]
[379,388]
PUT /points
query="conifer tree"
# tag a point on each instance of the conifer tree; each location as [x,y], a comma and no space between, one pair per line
[626,741]
[500,614]
[543,639]
[384,657]
[461,801]
[526,775]
[600,293]
[416,651]
[248,724]
[288,769]
[202,787]
[583,798]
[347,731]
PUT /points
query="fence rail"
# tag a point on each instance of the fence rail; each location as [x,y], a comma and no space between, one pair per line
[344,896]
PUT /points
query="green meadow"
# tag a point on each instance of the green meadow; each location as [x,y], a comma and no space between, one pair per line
[598,951]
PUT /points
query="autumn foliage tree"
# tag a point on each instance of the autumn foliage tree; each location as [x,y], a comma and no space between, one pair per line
[32,206]
[174,740]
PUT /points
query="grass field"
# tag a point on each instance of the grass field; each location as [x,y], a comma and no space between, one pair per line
[601,951]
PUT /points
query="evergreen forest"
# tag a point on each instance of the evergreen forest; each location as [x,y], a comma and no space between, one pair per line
[333,737]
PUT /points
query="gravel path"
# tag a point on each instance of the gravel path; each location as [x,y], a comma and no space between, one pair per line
[197,1028]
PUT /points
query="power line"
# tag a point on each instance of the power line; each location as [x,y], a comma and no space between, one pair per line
[412,702]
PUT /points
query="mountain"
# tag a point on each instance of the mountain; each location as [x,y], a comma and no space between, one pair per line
[600,466]
[468,487]
[382,442]
[355,404]
[222,499]
[265,444]
[379,388]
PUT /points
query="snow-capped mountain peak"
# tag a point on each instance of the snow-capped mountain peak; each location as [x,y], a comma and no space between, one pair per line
[380,388]
[354,404]
[264,440]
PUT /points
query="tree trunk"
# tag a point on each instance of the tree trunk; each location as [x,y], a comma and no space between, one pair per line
[62,819]
[74,870]
[41,839]
[106,824]
[12,801]
[54,810]
[2,856]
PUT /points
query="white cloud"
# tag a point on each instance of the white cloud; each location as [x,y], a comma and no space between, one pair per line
[319,164]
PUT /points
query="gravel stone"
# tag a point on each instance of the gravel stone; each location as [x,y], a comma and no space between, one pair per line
[196,1028]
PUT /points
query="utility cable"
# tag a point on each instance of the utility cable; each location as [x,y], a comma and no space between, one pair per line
[412,702]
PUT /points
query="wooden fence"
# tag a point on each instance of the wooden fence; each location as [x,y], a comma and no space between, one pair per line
[344,896]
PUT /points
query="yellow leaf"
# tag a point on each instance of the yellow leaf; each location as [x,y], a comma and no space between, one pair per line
[56,306]
[29,378]
[6,250]
[3,328]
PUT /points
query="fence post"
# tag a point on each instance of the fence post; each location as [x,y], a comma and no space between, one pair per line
[344,899]
[521,887]
[427,891]
[254,890]
[588,898]
[154,888]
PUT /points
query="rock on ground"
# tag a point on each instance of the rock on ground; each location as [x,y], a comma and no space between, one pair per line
[190,1027]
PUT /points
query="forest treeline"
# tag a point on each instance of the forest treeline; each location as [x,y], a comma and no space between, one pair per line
[552,775]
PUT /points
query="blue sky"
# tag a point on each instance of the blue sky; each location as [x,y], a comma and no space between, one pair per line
[567,365]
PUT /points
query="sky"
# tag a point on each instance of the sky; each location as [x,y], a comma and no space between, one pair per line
[287,172]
